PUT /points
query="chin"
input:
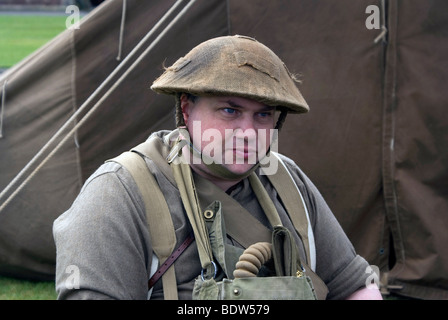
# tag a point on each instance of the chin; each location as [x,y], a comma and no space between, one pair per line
[239,168]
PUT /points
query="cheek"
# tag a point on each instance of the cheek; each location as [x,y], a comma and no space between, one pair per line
[204,134]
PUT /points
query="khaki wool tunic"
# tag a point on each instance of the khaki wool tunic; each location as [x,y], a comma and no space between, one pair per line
[104,237]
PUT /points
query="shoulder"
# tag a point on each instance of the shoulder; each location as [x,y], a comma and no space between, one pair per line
[106,171]
[109,194]
[112,178]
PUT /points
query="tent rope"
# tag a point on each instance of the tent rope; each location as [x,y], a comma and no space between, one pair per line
[98,103]
[2,107]
[120,41]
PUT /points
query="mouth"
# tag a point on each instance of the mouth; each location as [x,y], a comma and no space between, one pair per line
[244,153]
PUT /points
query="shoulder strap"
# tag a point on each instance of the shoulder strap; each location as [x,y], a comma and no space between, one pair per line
[158,216]
[292,199]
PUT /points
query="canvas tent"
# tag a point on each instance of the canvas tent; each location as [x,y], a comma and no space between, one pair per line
[375,141]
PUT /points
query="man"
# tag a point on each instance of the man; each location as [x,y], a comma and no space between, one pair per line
[232,95]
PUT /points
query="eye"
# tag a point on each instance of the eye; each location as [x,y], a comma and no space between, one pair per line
[229,110]
[264,114]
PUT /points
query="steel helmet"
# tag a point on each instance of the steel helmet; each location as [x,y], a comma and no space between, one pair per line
[234,66]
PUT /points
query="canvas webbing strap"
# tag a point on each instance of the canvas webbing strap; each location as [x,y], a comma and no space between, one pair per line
[265,201]
[293,202]
[160,224]
[185,184]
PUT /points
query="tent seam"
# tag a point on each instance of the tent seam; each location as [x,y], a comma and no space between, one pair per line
[74,106]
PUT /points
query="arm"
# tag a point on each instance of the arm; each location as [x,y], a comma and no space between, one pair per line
[370,293]
[338,264]
[104,236]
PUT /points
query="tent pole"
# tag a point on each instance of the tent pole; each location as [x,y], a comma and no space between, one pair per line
[96,106]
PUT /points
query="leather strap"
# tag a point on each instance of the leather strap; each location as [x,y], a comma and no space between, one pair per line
[165,266]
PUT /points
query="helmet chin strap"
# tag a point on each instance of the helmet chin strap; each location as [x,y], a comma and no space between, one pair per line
[215,168]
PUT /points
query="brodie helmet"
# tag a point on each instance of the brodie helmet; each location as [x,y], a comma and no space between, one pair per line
[234,66]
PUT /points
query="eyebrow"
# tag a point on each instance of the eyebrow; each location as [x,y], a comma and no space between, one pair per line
[237,106]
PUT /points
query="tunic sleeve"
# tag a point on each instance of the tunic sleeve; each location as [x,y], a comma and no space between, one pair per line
[337,263]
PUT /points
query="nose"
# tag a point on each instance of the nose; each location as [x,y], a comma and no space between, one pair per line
[245,122]
[245,134]
[245,128]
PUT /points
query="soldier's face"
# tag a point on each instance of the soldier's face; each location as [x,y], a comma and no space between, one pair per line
[233,130]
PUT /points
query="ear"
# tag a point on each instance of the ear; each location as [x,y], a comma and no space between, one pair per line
[185,105]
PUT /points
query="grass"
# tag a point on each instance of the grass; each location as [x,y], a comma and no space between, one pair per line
[20,35]
[15,289]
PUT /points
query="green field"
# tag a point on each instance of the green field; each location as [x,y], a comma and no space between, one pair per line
[20,35]
[14,289]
